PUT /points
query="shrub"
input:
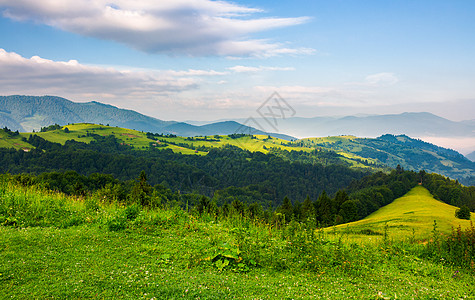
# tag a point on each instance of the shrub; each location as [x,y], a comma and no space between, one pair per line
[116,224]
[463,213]
[131,212]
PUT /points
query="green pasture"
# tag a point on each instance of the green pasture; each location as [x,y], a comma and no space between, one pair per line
[409,217]
[15,142]
[258,143]
[139,141]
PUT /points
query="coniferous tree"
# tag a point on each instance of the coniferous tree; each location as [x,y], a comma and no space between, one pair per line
[349,211]
[308,209]
[325,209]
[286,209]
[141,190]
[340,198]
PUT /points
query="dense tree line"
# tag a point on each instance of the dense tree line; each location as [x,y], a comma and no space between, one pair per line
[10,132]
[220,169]
[228,180]
[448,190]
[50,128]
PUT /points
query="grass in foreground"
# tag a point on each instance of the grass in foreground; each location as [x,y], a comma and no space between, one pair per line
[91,262]
[85,249]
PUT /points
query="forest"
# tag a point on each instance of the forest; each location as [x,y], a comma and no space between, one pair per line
[281,184]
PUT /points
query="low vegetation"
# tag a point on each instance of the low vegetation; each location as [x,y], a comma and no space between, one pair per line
[411,216]
[58,246]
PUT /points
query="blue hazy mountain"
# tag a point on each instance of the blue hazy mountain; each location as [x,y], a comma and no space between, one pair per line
[27,113]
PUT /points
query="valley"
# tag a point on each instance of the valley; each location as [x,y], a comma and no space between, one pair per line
[218,149]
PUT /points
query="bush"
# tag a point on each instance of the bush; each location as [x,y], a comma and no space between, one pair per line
[117,224]
[131,212]
[463,213]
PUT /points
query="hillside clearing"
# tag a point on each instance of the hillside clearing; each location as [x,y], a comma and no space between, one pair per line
[411,216]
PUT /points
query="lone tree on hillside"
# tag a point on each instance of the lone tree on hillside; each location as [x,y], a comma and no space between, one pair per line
[463,212]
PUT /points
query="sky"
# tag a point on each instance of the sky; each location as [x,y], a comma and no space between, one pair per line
[208,60]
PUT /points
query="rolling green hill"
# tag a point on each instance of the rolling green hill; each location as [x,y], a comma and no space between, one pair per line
[84,132]
[378,154]
[25,113]
[417,210]
[391,150]
[12,140]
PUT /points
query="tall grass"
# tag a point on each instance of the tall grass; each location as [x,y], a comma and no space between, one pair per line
[457,248]
[34,206]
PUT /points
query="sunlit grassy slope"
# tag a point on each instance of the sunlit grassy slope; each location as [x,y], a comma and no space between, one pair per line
[139,140]
[12,142]
[360,153]
[412,214]
[258,143]
[78,132]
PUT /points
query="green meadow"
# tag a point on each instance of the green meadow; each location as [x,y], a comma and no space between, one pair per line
[56,247]
[409,217]
[84,132]
[137,139]
[15,142]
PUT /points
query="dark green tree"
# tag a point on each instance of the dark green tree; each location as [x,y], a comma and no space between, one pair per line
[141,191]
[308,209]
[349,211]
[340,198]
[255,210]
[204,205]
[463,213]
[325,209]
[286,209]
[239,207]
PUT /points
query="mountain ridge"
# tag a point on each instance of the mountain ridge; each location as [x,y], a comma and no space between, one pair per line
[415,124]
[27,113]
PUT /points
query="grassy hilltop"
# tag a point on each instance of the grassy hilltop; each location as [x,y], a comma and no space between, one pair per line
[411,216]
[53,246]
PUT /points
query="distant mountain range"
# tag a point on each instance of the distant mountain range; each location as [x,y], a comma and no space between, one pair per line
[471,156]
[412,124]
[27,113]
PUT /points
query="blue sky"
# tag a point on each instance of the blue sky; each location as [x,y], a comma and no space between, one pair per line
[209,60]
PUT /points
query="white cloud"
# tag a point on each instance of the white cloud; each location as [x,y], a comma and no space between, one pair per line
[297,89]
[192,72]
[319,96]
[190,27]
[382,79]
[37,75]
[246,69]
